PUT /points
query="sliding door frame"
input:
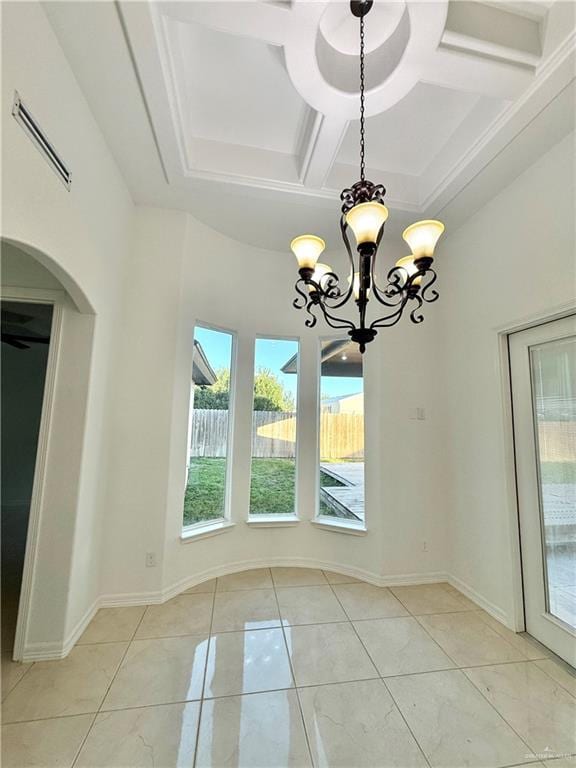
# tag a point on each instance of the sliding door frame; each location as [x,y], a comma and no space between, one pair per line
[517,615]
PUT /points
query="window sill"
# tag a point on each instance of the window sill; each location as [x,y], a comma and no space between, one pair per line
[350,528]
[204,530]
[272,521]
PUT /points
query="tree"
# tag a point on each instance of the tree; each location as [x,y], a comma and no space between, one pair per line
[269,393]
[205,397]
[215,396]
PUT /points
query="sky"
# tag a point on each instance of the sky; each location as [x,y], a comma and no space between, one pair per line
[272,354]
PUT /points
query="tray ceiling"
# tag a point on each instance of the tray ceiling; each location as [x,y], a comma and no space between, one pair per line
[263,96]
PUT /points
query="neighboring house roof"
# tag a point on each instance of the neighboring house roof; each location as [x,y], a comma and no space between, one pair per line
[202,371]
[332,362]
[339,398]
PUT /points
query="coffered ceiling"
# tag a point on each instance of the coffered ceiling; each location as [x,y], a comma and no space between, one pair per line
[217,105]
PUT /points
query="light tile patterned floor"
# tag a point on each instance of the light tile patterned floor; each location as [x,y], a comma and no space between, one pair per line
[294,667]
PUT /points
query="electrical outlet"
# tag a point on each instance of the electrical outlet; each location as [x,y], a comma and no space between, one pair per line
[150,559]
[424,546]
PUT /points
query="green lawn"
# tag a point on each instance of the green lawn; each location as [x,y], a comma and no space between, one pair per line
[271,490]
[273,483]
[204,497]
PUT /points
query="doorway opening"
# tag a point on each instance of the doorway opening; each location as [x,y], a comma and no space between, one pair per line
[26,332]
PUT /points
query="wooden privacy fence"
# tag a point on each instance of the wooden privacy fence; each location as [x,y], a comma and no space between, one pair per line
[274,434]
[557,440]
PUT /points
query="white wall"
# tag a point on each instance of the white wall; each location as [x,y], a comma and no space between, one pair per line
[82,236]
[185,272]
[513,260]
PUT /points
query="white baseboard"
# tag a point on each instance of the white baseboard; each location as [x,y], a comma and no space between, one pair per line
[388,580]
[132,598]
[55,650]
[480,601]
[59,650]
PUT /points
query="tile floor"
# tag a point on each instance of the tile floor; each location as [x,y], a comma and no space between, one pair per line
[294,667]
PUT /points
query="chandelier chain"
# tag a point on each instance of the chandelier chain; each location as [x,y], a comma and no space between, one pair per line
[362,132]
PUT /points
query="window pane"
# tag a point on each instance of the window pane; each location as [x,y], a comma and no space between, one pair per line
[341,431]
[273,474]
[205,496]
[554,388]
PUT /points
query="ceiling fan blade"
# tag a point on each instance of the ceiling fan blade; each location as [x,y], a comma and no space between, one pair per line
[16,339]
[9,316]
[13,342]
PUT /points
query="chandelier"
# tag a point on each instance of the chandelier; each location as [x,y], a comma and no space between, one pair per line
[364,213]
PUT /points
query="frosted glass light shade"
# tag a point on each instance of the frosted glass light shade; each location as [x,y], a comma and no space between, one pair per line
[319,271]
[366,220]
[422,237]
[356,285]
[407,264]
[307,249]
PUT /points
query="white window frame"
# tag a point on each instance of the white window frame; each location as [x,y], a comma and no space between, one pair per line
[334,524]
[278,520]
[205,528]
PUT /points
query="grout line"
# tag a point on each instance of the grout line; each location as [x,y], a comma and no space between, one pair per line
[380,677]
[500,637]
[293,674]
[204,677]
[295,687]
[533,751]
[17,683]
[89,731]
[501,630]
[427,632]
[420,747]
[535,661]
[473,666]
[272,690]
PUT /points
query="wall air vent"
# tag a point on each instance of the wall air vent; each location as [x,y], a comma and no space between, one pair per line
[23,116]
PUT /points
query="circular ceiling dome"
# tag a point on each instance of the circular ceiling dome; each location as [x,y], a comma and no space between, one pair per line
[387,31]
[340,29]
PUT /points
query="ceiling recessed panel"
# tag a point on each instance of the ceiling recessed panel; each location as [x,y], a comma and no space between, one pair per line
[233,89]
[205,100]
[407,137]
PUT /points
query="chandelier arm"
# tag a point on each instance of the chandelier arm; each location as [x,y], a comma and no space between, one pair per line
[335,322]
[434,295]
[302,299]
[317,299]
[395,288]
[392,318]
[310,321]
[415,315]
[342,297]
[329,289]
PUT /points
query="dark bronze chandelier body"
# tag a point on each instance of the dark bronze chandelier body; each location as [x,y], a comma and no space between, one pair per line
[408,282]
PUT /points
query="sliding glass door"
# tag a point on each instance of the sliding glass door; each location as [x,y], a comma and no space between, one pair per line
[543,372]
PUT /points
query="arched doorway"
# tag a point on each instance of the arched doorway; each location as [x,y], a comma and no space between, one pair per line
[45,333]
